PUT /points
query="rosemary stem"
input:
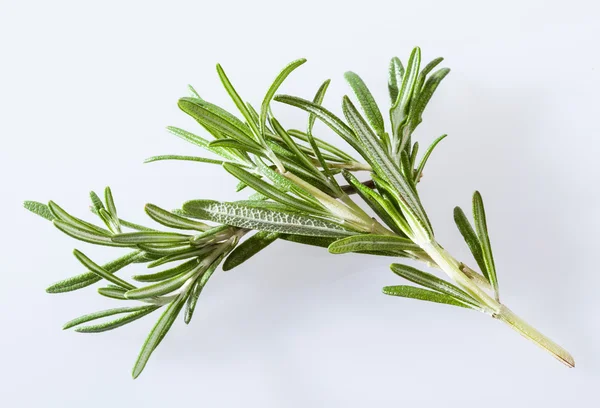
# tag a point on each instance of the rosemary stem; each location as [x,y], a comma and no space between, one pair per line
[491,306]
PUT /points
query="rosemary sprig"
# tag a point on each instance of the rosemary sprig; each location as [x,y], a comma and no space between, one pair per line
[295,178]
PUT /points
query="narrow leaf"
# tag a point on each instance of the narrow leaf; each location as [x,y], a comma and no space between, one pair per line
[121,321]
[367,102]
[484,239]
[146,237]
[249,248]
[86,279]
[423,294]
[471,239]
[169,219]
[86,235]
[423,161]
[396,72]
[167,273]
[432,282]
[372,242]
[101,272]
[157,333]
[264,108]
[165,286]
[245,216]
[40,209]
[102,314]
[182,158]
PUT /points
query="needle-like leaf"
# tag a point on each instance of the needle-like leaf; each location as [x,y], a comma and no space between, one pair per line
[168,273]
[121,321]
[372,242]
[433,282]
[484,239]
[101,272]
[245,216]
[158,332]
[102,314]
[367,102]
[249,248]
[264,108]
[395,74]
[471,239]
[148,237]
[86,235]
[169,219]
[428,152]
[165,286]
[423,294]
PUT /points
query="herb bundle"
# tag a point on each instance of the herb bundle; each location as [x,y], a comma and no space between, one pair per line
[304,190]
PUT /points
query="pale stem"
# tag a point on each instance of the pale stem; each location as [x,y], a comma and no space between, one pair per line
[491,306]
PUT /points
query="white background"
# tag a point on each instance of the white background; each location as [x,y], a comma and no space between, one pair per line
[85,93]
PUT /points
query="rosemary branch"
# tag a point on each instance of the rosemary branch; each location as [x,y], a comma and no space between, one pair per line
[296,196]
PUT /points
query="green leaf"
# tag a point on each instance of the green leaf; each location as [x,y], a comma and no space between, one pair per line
[239,103]
[322,242]
[264,108]
[40,209]
[113,292]
[268,190]
[65,217]
[86,235]
[249,248]
[245,216]
[428,152]
[470,237]
[396,72]
[367,102]
[110,204]
[199,141]
[177,256]
[197,289]
[121,321]
[147,237]
[167,273]
[157,333]
[334,123]
[433,282]
[425,71]
[182,158]
[96,201]
[423,98]
[399,110]
[169,219]
[299,155]
[86,279]
[165,286]
[383,166]
[101,272]
[382,207]
[336,154]
[484,239]
[372,242]
[217,233]
[214,117]
[422,294]
[234,144]
[102,314]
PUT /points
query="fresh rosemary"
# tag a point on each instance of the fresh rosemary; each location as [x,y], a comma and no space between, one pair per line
[297,196]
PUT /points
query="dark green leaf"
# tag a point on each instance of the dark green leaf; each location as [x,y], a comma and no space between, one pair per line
[65,217]
[182,158]
[484,239]
[396,72]
[470,237]
[423,162]
[249,248]
[157,333]
[86,235]
[264,108]
[422,294]
[372,242]
[239,103]
[367,102]
[166,286]
[433,282]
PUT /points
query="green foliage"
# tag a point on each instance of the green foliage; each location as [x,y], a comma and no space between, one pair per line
[292,180]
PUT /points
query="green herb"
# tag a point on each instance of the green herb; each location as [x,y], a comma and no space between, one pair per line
[296,195]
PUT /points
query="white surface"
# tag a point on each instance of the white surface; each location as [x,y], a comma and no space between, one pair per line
[85,93]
